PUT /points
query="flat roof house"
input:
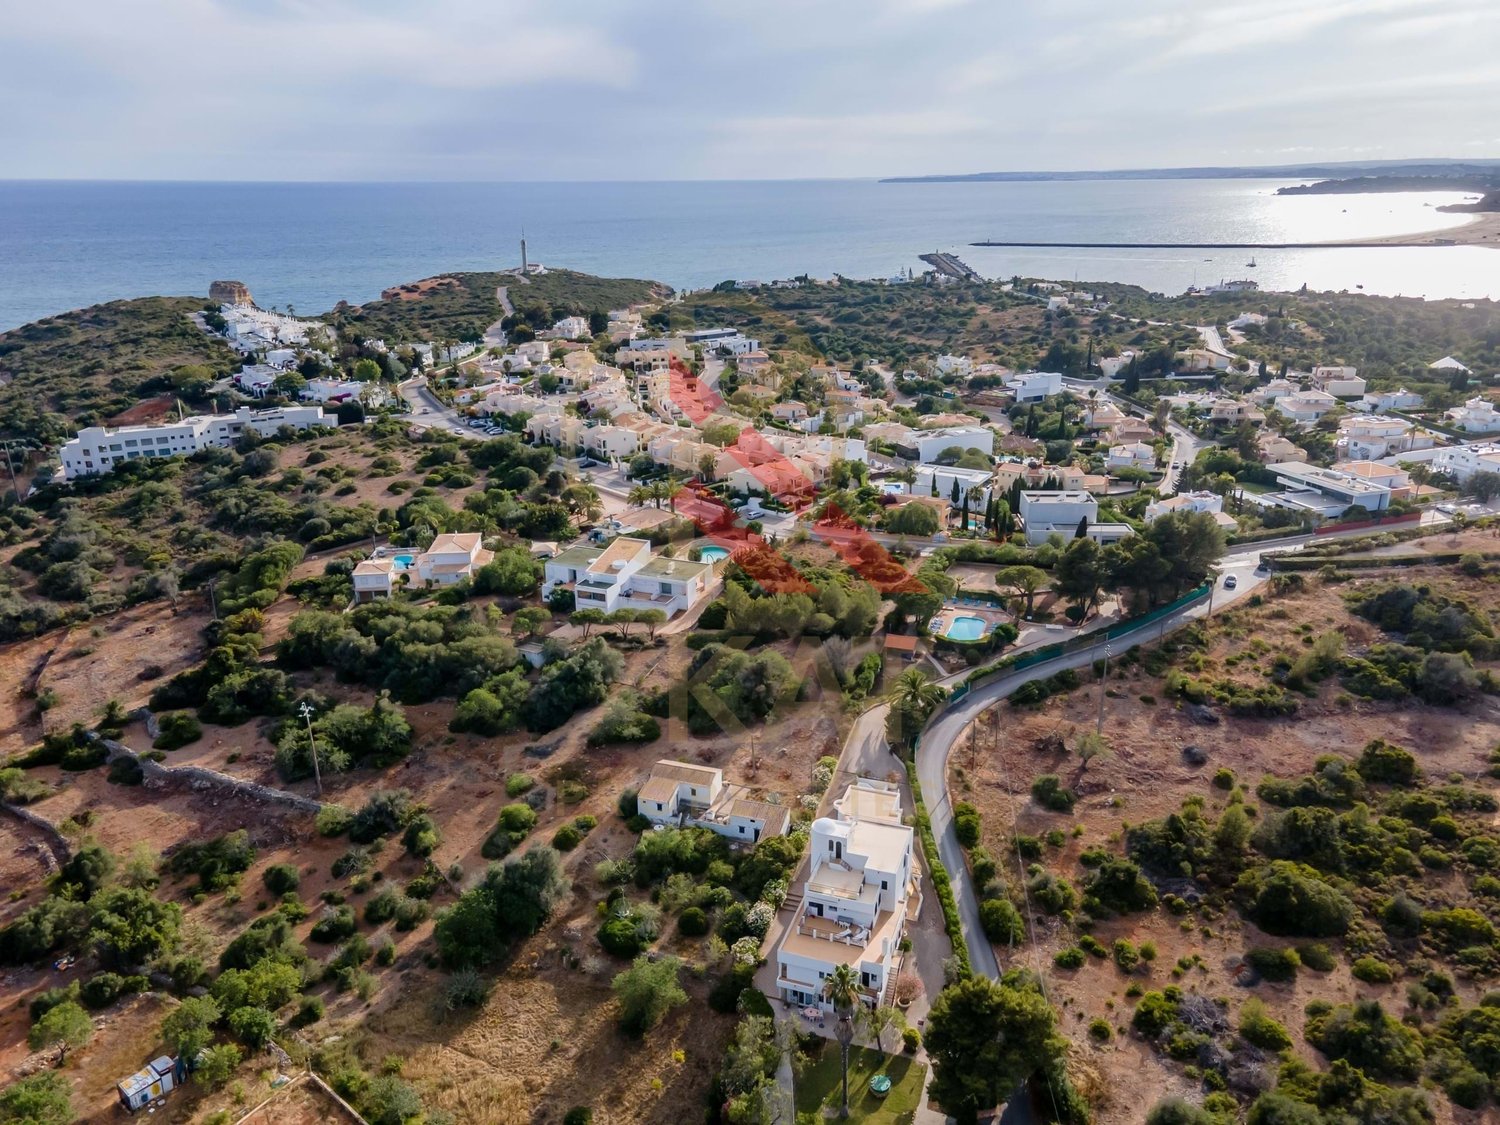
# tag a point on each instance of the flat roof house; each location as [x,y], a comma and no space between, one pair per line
[861,889]
[625,575]
[1058,513]
[452,557]
[97,449]
[686,795]
[1340,491]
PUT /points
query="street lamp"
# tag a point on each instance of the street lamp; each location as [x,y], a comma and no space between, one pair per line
[312,745]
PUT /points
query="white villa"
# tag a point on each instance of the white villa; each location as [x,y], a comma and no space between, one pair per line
[1035,385]
[1399,399]
[1341,382]
[97,449]
[861,890]
[680,793]
[625,575]
[1477,416]
[1136,455]
[1059,513]
[1210,502]
[930,443]
[1463,461]
[450,559]
[1306,407]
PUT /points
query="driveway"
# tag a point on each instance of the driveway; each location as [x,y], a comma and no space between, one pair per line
[428,412]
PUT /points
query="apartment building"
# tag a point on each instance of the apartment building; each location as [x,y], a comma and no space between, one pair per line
[97,449]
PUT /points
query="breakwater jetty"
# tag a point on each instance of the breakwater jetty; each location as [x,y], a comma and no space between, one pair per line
[1366,243]
[950,266]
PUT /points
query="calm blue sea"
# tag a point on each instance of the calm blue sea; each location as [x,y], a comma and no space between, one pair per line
[68,244]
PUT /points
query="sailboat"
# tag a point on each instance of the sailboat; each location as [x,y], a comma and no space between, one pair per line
[1250,265]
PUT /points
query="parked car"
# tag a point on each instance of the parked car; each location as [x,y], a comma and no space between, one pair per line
[1230,582]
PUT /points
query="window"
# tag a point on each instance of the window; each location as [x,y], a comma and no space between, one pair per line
[882,884]
[742,830]
[666,587]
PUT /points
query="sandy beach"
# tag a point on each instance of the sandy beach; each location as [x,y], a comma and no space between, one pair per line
[1482,229]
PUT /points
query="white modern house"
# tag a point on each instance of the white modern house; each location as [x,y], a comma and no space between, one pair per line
[571,328]
[861,890]
[1210,502]
[1340,382]
[1327,491]
[1364,437]
[625,575]
[1035,385]
[930,443]
[452,557]
[97,449]
[374,578]
[1306,407]
[1463,461]
[682,794]
[1136,455]
[953,365]
[1060,512]
[1476,416]
[938,480]
[1399,399]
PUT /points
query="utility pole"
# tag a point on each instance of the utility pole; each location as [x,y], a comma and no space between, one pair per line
[312,745]
[15,487]
[213,598]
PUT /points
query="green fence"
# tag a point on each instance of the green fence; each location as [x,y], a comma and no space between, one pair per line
[1083,640]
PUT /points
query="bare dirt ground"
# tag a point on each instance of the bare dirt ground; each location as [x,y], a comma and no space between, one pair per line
[1144,776]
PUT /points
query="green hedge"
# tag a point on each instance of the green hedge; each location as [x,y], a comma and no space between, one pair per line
[940,880]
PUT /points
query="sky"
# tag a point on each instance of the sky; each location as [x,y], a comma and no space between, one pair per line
[732,89]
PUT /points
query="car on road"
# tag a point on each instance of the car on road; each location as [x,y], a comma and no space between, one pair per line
[1230,582]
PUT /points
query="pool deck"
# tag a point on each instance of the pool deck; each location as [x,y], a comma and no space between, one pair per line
[946,616]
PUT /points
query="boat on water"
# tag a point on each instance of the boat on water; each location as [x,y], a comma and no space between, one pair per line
[1250,265]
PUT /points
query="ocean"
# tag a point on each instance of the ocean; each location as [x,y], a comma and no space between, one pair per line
[64,245]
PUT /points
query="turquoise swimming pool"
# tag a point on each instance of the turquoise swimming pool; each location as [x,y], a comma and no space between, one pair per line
[966,628]
[713,554]
[403,562]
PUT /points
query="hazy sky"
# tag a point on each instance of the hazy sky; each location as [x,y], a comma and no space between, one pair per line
[719,89]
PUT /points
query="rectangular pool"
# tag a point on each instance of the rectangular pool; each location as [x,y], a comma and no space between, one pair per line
[966,628]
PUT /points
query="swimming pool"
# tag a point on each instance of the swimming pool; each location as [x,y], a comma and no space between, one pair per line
[966,628]
[403,562]
[713,554]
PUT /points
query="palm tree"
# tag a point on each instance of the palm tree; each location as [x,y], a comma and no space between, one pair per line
[638,497]
[842,990]
[916,693]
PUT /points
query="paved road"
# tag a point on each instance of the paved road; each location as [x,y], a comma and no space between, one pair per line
[429,412]
[1212,341]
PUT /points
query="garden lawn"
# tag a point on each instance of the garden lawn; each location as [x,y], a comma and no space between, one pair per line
[818,1085]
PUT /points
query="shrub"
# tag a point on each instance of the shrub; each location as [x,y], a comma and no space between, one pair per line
[1001,921]
[421,837]
[1272,963]
[333,820]
[966,824]
[1289,898]
[1367,1038]
[620,936]
[280,878]
[1223,778]
[1127,956]
[309,1011]
[1391,765]
[566,838]
[911,1039]
[1100,1031]
[1372,970]
[1261,1029]
[336,924]
[175,729]
[1049,792]
[692,922]
[1070,958]
[1317,957]
[1117,885]
[518,783]
[387,812]
[218,863]
[579,1115]
[511,827]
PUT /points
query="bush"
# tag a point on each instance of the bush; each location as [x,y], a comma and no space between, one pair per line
[335,925]
[1367,1038]
[1223,778]
[1317,957]
[1372,970]
[175,729]
[309,1011]
[1127,957]
[1100,1031]
[518,783]
[281,878]
[1049,792]
[511,827]
[217,863]
[1259,1028]
[1070,958]
[387,812]
[421,837]
[966,824]
[333,820]
[1290,899]
[1001,921]
[1118,886]
[911,1039]
[620,937]
[566,838]
[1274,964]
[692,922]
[579,1115]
